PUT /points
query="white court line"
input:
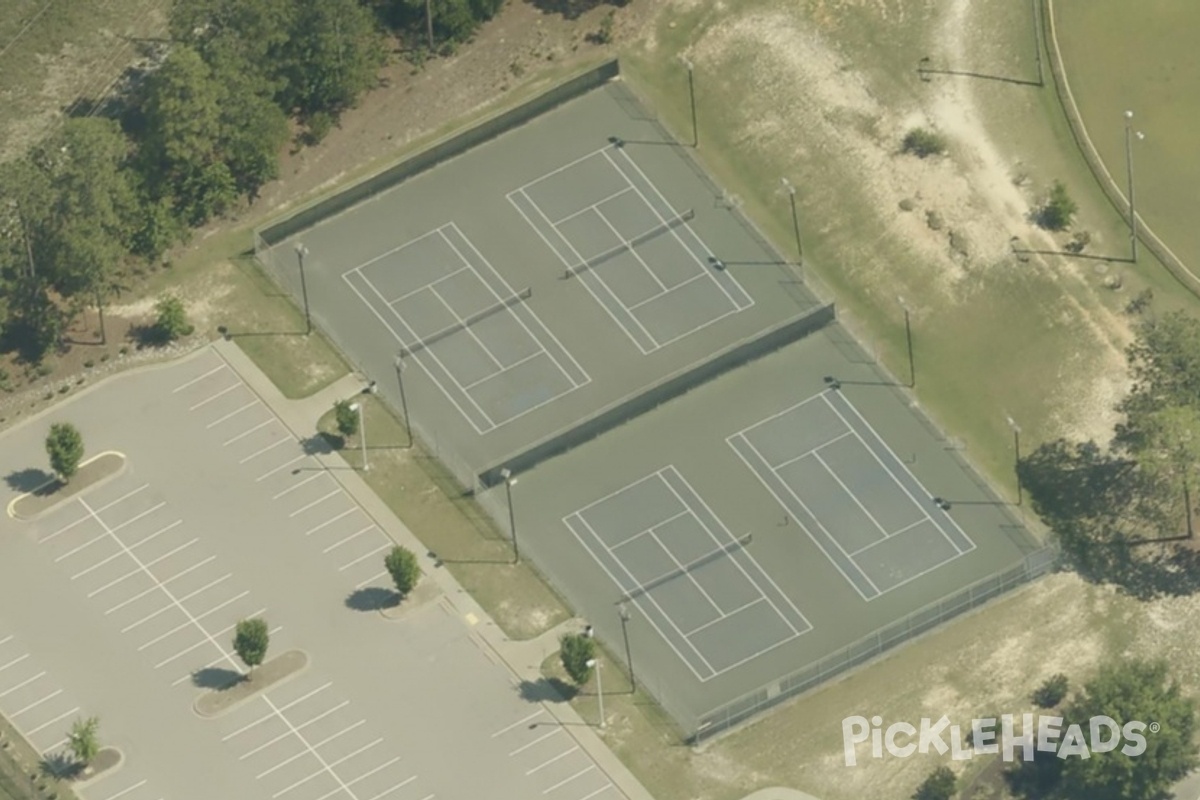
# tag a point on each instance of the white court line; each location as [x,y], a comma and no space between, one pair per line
[663,293]
[170,595]
[821,544]
[89,516]
[565,781]
[118,554]
[627,244]
[593,207]
[320,499]
[212,371]
[691,489]
[296,486]
[309,747]
[725,615]
[145,592]
[371,579]
[255,455]
[613,494]
[463,326]
[275,712]
[649,597]
[362,558]
[168,606]
[853,496]
[32,706]
[231,415]
[126,790]
[244,434]
[57,719]
[348,538]
[686,569]
[518,723]
[15,661]
[541,738]
[558,757]
[810,452]
[561,169]
[686,511]
[765,420]
[284,465]
[286,734]
[332,520]
[23,683]
[865,548]
[469,386]
[208,400]
[387,253]
[191,675]
[427,286]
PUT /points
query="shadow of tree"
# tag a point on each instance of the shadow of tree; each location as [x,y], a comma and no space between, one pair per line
[216,678]
[29,479]
[322,444]
[547,690]
[372,598]
[1093,501]
[61,765]
[573,9]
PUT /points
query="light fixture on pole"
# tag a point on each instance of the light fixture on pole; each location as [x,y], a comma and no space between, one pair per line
[912,364]
[791,190]
[1133,226]
[692,97]
[301,252]
[403,398]
[509,482]
[362,433]
[1016,429]
[624,612]
[595,663]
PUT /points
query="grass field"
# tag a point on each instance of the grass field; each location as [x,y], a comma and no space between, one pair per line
[1141,57]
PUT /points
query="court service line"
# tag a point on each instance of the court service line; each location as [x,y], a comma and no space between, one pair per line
[727,614]
[666,291]
[852,495]
[651,529]
[593,207]
[462,325]
[811,451]
[387,253]
[865,548]
[628,245]
[504,368]
[563,168]
[427,286]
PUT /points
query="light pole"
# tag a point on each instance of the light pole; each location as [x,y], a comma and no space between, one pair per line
[403,398]
[362,433]
[791,190]
[1129,133]
[624,612]
[509,482]
[1016,429]
[692,96]
[592,662]
[301,252]
[912,364]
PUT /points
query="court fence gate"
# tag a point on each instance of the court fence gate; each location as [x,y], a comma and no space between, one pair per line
[1032,566]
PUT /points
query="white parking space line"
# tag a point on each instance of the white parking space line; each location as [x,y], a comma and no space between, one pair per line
[145,592]
[363,557]
[110,584]
[15,661]
[126,791]
[89,516]
[244,434]
[191,675]
[83,546]
[50,696]
[550,761]
[54,721]
[268,448]
[210,612]
[371,579]
[327,522]
[194,381]
[400,785]
[6,639]
[168,607]
[355,535]
[541,738]
[286,734]
[518,723]
[275,711]
[284,465]
[324,764]
[313,750]
[225,655]
[55,746]
[118,554]
[590,795]
[321,499]
[208,400]
[368,774]
[23,684]
[565,781]
[359,751]
[296,486]
[230,415]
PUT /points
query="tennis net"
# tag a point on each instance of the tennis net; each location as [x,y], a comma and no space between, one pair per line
[466,322]
[640,239]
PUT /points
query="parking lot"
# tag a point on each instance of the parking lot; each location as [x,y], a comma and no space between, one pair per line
[127,596]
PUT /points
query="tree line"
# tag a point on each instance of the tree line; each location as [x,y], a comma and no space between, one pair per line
[198,134]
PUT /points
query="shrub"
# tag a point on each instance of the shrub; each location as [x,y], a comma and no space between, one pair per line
[939,785]
[172,319]
[605,34]
[64,445]
[346,417]
[319,126]
[1052,692]
[922,143]
[1059,209]
[576,650]
[402,565]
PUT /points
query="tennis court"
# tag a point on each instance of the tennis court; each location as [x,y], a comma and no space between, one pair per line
[694,581]
[635,254]
[858,502]
[454,315]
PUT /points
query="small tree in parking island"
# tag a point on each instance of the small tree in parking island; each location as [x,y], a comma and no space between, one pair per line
[84,740]
[939,785]
[250,642]
[64,445]
[402,565]
[576,650]
[346,418]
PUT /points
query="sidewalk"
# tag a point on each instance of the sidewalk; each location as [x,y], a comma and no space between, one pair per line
[523,659]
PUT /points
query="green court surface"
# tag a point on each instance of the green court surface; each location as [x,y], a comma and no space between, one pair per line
[565,272]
